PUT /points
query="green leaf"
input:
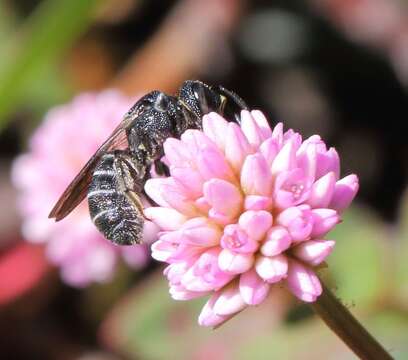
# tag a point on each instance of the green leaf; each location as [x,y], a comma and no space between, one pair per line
[313,340]
[53,27]
[139,324]
[97,299]
[390,328]
[48,90]
[359,257]
[401,252]
[148,324]
[7,22]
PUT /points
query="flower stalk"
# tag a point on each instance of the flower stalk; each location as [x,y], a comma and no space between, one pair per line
[339,319]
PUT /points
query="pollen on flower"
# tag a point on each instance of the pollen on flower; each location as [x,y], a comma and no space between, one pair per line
[249,208]
[297,190]
[233,242]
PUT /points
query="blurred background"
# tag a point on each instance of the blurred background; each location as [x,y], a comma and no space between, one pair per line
[338,68]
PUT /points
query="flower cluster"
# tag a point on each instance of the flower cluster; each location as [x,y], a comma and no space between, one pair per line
[58,149]
[245,207]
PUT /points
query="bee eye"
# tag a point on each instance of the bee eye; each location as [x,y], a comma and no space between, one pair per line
[162,102]
[207,98]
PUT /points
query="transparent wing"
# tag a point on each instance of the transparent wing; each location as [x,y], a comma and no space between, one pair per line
[77,189]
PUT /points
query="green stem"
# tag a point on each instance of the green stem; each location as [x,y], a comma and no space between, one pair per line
[339,319]
[50,29]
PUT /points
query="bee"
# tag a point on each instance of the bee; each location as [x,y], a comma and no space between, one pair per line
[114,177]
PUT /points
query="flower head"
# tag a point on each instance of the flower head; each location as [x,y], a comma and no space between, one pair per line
[245,207]
[59,147]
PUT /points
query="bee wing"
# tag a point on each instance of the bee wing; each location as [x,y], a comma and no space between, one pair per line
[77,189]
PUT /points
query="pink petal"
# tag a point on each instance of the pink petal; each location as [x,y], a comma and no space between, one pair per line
[229,302]
[291,188]
[303,282]
[219,218]
[257,202]
[211,164]
[250,128]
[174,272]
[165,218]
[179,201]
[36,228]
[307,158]
[324,221]
[285,160]
[326,162]
[205,274]
[256,178]
[184,252]
[215,127]
[150,232]
[202,205]
[195,141]
[237,240]
[322,191]
[95,264]
[168,193]
[262,123]
[136,256]
[272,269]
[196,283]
[277,241]
[293,136]
[178,198]
[224,198]
[200,232]
[313,252]
[298,220]
[312,141]
[253,289]
[170,236]
[256,223]
[269,149]
[208,317]
[179,293]
[235,263]
[344,192]
[237,147]
[176,152]
[191,180]
[277,134]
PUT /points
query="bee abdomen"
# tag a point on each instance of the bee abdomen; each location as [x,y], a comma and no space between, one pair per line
[111,211]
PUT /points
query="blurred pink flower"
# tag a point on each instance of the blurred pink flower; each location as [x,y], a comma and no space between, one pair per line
[245,208]
[58,149]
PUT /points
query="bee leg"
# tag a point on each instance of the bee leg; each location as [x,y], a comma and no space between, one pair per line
[161,168]
[232,104]
[130,178]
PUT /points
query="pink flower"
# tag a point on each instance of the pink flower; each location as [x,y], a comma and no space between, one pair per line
[245,207]
[60,146]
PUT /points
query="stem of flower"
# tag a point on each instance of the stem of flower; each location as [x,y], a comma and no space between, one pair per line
[339,319]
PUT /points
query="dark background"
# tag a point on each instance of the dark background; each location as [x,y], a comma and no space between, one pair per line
[317,66]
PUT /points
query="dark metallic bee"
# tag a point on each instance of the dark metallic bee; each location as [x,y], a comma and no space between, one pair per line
[113,178]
